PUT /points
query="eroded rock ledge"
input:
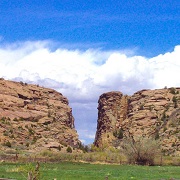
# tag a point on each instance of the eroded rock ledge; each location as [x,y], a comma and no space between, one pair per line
[34,118]
[153,113]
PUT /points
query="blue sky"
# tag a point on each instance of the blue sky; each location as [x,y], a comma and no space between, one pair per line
[150,26]
[84,48]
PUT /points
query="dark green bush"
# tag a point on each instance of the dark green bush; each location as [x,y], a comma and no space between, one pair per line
[118,133]
[69,149]
[8,144]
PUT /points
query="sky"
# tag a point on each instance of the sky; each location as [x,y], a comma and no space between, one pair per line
[85,48]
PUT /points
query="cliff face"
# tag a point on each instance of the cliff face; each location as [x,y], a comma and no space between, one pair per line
[34,118]
[153,113]
[112,110]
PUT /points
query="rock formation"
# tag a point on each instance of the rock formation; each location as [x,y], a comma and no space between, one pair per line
[154,113]
[34,118]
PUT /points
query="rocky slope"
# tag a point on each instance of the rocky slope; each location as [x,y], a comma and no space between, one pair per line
[34,118]
[154,113]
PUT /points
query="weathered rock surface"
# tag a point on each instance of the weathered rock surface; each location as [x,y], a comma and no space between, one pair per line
[34,118]
[153,113]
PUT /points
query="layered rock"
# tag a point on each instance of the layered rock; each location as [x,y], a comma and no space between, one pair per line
[34,118]
[153,113]
[112,110]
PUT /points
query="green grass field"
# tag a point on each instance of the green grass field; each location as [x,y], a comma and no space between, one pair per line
[71,171]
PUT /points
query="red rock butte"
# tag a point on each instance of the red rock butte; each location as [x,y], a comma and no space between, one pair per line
[34,118]
[152,113]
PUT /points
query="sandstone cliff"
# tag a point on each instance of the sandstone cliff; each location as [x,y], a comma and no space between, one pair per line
[153,113]
[34,118]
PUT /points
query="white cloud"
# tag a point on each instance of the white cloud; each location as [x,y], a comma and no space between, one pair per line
[83,76]
[166,69]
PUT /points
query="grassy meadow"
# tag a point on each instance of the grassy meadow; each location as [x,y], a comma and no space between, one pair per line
[87,171]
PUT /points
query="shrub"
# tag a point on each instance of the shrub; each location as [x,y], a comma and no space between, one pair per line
[118,133]
[140,150]
[21,83]
[31,132]
[174,99]
[141,107]
[69,149]
[156,135]
[8,144]
[164,117]
[172,90]
[150,107]
[165,128]
[15,119]
[59,148]
[49,113]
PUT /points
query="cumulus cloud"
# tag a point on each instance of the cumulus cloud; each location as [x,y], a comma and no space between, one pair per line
[83,75]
